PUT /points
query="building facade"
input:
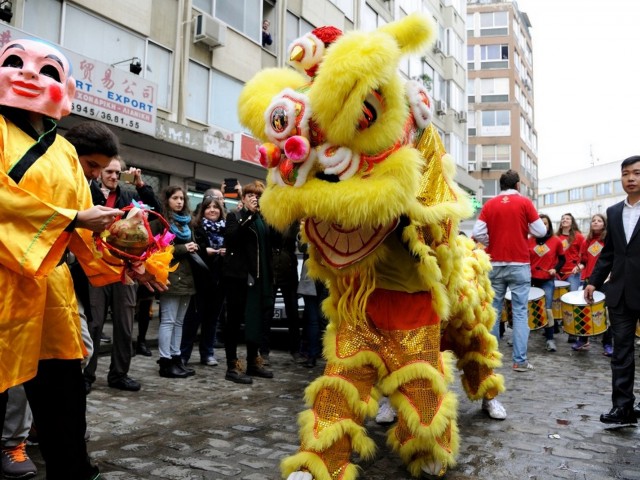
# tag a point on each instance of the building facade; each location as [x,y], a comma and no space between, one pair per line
[581,193]
[165,75]
[500,119]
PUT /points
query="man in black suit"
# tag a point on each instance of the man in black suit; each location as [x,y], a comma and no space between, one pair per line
[620,257]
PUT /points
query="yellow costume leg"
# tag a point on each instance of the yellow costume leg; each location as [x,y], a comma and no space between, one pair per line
[426,433]
[468,333]
[340,401]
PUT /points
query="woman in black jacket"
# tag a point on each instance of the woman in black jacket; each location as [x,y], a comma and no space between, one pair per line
[248,284]
[208,229]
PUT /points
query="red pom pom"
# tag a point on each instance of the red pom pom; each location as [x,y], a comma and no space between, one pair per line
[297,148]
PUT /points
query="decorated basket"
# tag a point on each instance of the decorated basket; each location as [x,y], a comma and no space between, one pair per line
[130,238]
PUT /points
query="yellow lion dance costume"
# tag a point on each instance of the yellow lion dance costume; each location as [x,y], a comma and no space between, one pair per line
[352,153]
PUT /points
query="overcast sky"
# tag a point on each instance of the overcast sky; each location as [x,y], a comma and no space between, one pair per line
[586,61]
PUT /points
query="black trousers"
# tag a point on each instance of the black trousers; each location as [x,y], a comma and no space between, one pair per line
[58,401]
[623,363]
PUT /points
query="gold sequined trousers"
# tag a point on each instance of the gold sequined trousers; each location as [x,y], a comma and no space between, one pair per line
[376,357]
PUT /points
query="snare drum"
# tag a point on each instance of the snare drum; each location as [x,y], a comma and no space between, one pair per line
[537,314]
[581,319]
[561,287]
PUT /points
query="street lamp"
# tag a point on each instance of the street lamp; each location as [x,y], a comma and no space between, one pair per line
[135,66]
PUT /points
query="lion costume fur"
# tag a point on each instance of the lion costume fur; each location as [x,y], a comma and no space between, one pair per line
[352,154]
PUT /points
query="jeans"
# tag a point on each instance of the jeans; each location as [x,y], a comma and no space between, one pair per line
[574,281]
[172,311]
[518,279]
[548,286]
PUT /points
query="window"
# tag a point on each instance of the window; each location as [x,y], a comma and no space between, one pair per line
[370,19]
[471,57]
[296,27]
[242,15]
[499,156]
[617,187]
[158,69]
[562,196]
[471,123]
[604,189]
[495,122]
[212,97]
[494,56]
[494,89]
[588,192]
[225,92]
[44,17]
[205,5]
[109,43]
[494,23]
[575,194]
[490,188]
[471,91]
[198,92]
[346,6]
[550,199]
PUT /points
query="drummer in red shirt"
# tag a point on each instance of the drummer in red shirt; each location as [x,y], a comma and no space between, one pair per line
[572,240]
[546,258]
[589,253]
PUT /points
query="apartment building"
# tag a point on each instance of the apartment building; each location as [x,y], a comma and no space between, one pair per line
[165,75]
[500,119]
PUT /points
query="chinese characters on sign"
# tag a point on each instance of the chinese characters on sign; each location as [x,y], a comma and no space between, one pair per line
[106,93]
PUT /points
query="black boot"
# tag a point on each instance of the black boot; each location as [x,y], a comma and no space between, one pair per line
[142,348]
[177,359]
[168,369]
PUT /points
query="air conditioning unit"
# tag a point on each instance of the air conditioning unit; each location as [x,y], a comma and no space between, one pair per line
[472,167]
[462,117]
[209,31]
[437,46]
[485,165]
[441,107]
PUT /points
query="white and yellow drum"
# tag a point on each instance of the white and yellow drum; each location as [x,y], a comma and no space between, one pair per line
[581,319]
[537,312]
[561,287]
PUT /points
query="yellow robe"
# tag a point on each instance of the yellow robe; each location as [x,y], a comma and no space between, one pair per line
[38,312]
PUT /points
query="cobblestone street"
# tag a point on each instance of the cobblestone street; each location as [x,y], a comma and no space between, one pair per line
[207,428]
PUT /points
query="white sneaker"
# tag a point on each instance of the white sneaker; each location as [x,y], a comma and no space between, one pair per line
[494,408]
[434,469]
[551,346]
[300,476]
[386,413]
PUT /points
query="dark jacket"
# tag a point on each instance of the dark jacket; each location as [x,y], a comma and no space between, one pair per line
[125,196]
[213,262]
[181,281]
[621,260]
[243,249]
[283,255]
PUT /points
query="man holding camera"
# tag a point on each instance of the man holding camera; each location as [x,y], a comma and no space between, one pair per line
[121,298]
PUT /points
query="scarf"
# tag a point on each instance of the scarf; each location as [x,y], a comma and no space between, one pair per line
[180,226]
[214,231]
